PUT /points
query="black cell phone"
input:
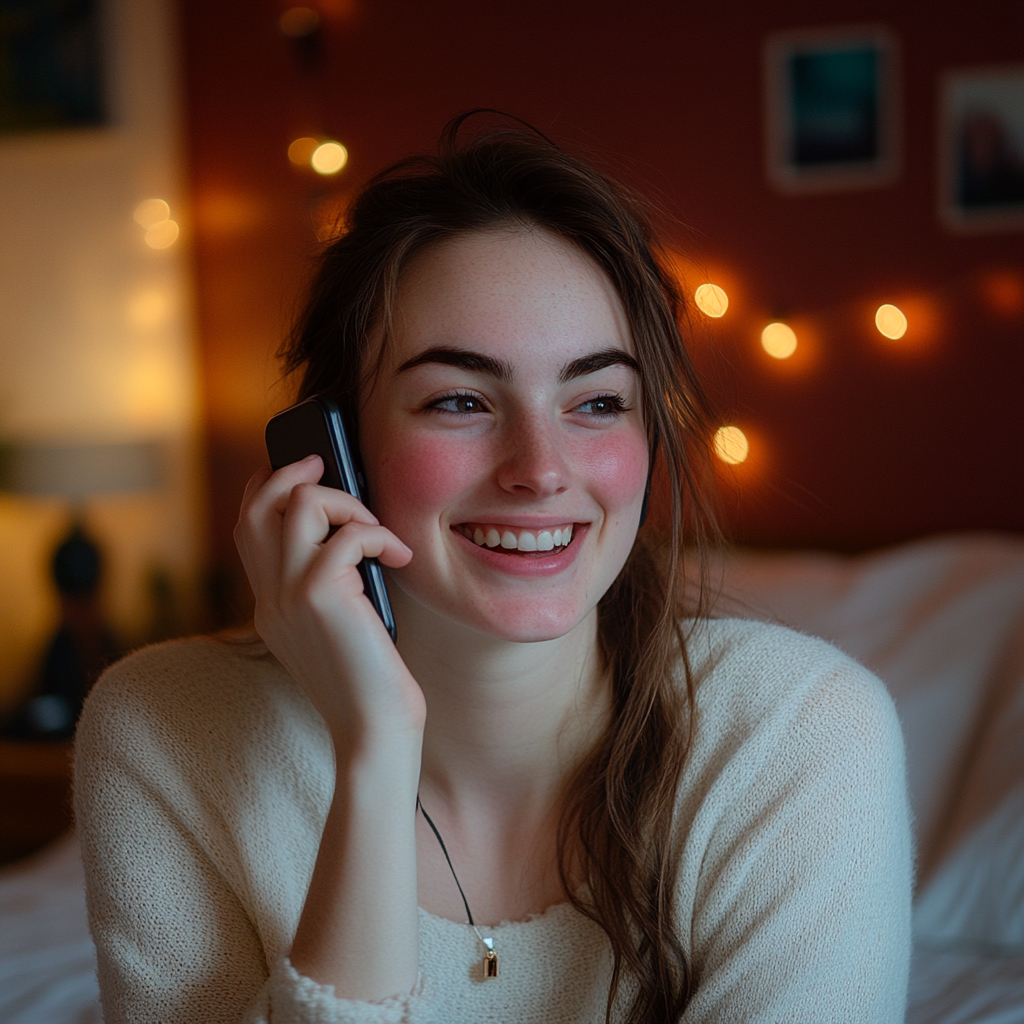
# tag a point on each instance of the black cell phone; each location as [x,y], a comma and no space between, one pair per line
[316,427]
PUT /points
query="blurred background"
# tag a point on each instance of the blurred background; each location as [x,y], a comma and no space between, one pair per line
[849,175]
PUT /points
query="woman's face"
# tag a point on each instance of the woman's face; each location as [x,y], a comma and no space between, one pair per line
[504,440]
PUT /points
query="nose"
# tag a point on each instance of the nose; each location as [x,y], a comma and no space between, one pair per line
[532,462]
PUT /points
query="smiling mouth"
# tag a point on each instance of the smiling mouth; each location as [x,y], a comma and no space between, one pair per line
[509,539]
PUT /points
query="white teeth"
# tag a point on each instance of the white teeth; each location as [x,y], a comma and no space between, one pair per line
[526,540]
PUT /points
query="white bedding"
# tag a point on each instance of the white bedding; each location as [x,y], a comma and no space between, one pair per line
[940,621]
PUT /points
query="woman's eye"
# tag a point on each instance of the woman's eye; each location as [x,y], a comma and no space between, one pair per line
[464,404]
[603,405]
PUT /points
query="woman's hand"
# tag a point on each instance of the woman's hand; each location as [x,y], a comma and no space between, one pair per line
[310,607]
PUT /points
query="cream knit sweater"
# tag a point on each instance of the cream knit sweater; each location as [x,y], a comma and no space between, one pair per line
[204,776]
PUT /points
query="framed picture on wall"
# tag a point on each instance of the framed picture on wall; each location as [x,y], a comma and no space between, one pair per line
[831,109]
[981,149]
[51,66]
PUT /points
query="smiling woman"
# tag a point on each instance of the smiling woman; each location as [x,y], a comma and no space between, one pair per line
[510,402]
[641,813]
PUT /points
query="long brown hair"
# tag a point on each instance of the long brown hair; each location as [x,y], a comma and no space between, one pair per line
[617,829]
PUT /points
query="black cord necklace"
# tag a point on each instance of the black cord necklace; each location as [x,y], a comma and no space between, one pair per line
[490,958]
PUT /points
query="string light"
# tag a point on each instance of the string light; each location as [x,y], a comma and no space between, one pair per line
[155,216]
[731,445]
[329,158]
[890,321]
[301,151]
[711,300]
[161,235]
[778,340]
[150,212]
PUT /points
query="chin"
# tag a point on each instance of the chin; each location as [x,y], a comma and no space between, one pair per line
[528,626]
[522,619]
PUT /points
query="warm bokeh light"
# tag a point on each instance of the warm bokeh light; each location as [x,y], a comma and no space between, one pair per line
[301,151]
[711,300]
[329,158]
[161,235]
[731,445]
[297,22]
[150,212]
[1003,292]
[778,340]
[890,321]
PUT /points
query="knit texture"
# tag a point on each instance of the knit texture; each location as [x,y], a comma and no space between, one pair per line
[204,777]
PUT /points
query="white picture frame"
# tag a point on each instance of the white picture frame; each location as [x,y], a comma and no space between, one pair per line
[981,149]
[832,109]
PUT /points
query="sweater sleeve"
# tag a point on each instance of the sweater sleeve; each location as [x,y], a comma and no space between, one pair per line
[179,933]
[802,898]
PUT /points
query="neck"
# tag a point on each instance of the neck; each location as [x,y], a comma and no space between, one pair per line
[507,723]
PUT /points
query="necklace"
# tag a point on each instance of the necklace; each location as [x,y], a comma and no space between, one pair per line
[490,957]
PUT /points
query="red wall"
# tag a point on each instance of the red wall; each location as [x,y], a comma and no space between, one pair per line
[855,441]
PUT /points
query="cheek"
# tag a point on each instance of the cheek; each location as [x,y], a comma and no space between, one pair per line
[413,476]
[615,467]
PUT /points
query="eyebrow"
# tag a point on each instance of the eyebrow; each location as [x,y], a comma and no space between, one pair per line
[501,369]
[597,361]
[464,360]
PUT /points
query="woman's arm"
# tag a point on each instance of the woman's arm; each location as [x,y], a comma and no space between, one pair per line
[358,930]
[202,801]
[203,781]
[802,861]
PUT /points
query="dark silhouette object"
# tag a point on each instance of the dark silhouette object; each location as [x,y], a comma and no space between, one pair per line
[80,649]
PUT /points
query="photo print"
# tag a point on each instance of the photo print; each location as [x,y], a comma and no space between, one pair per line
[831,109]
[981,150]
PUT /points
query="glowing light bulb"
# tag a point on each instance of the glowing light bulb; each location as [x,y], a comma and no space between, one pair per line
[890,321]
[711,300]
[297,22]
[161,235]
[329,158]
[301,151]
[778,340]
[731,445]
[150,212]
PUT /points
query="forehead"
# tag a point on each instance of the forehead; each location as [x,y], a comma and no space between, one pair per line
[509,292]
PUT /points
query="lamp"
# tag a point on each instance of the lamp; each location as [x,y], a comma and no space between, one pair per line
[83,644]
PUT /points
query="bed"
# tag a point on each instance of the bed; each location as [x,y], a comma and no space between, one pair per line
[941,621]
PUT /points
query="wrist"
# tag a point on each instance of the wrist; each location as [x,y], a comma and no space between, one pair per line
[370,753]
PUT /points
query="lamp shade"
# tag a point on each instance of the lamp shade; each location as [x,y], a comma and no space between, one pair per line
[78,471]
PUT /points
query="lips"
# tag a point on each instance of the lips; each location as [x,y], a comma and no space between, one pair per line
[511,538]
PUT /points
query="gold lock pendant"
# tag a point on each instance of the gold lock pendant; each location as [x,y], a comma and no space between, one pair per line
[491,964]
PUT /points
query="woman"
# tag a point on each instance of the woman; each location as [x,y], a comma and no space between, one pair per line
[645,818]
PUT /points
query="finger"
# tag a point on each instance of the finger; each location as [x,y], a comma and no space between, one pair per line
[267,490]
[349,546]
[257,532]
[256,481]
[307,516]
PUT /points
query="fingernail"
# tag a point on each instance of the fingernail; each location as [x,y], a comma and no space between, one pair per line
[310,457]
